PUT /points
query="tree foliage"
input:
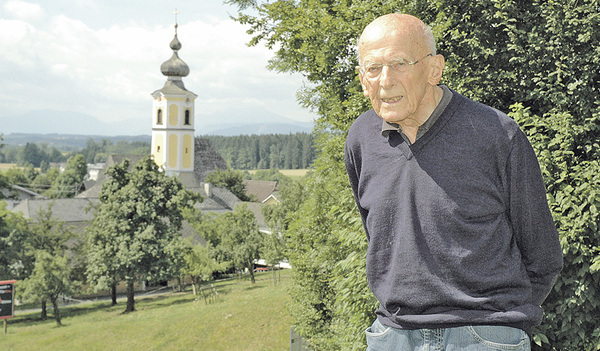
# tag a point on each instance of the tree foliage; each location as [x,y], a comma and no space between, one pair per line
[49,280]
[573,307]
[16,260]
[44,255]
[51,183]
[285,151]
[241,239]
[230,179]
[134,235]
[233,238]
[200,264]
[94,151]
[543,55]
[68,183]
[5,190]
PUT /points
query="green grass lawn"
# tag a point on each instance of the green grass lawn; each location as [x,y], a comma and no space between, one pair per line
[244,317]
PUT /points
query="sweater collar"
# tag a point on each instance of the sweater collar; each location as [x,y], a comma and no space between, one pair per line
[387,127]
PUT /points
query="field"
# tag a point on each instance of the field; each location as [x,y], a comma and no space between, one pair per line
[5,166]
[243,317]
[295,174]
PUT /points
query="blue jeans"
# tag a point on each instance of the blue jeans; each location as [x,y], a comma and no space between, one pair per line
[471,338]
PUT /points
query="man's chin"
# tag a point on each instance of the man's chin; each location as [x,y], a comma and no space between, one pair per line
[391,117]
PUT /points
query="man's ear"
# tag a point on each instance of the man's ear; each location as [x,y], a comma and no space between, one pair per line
[436,69]
[362,83]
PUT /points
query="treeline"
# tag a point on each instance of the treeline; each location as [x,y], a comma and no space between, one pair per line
[279,151]
[270,151]
[40,155]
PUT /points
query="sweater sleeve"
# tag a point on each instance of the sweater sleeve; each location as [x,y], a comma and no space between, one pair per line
[352,162]
[533,226]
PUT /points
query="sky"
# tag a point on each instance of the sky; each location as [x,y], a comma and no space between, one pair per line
[103,57]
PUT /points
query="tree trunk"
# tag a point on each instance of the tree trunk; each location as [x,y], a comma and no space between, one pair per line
[130,297]
[194,282]
[251,269]
[113,293]
[44,311]
[54,300]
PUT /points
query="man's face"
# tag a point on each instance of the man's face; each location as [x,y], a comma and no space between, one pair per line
[397,97]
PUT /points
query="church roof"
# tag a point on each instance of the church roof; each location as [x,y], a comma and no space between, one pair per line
[206,159]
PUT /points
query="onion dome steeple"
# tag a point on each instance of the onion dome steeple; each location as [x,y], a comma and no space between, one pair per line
[173,141]
[174,68]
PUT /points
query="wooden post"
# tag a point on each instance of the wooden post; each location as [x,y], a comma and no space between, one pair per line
[5,326]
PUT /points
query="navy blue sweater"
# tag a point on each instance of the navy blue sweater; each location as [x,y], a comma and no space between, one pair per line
[458,223]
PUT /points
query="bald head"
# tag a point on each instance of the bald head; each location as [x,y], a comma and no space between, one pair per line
[402,27]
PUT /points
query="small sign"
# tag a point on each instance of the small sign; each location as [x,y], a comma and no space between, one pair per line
[7,298]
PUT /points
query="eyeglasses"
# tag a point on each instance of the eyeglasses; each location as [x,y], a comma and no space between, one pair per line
[373,70]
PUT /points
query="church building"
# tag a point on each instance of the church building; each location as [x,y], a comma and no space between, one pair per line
[173,122]
[174,148]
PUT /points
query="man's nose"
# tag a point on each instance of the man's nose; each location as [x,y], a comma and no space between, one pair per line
[386,78]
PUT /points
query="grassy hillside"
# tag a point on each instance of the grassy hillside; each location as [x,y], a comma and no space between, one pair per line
[244,317]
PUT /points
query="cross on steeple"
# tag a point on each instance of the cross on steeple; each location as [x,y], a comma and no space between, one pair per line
[176,13]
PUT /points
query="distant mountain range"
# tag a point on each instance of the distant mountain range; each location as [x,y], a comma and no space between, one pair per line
[229,123]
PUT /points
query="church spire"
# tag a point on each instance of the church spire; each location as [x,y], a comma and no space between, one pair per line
[174,68]
[173,145]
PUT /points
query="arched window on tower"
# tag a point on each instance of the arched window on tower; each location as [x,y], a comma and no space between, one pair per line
[186,120]
[159,116]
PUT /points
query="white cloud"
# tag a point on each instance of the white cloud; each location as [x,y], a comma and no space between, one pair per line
[24,10]
[14,31]
[109,72]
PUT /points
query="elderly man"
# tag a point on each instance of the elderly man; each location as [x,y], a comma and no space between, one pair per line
[462,246]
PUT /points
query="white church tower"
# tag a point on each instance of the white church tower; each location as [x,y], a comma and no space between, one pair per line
[173,118]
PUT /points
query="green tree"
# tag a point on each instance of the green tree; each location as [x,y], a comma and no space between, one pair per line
[572,309]
[541,54]
[4,187]
[274,249]
[16,176]
[44,166]
[135,232]
[278,217]
[32,154]
[200,264]
[211,227]
[68,183]
[15,260]
[230,179]
[49,280]
[233,237]
[42,247]
[78,165]
[241,239]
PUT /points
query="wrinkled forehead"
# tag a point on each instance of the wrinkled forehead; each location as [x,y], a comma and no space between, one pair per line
[396,39]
